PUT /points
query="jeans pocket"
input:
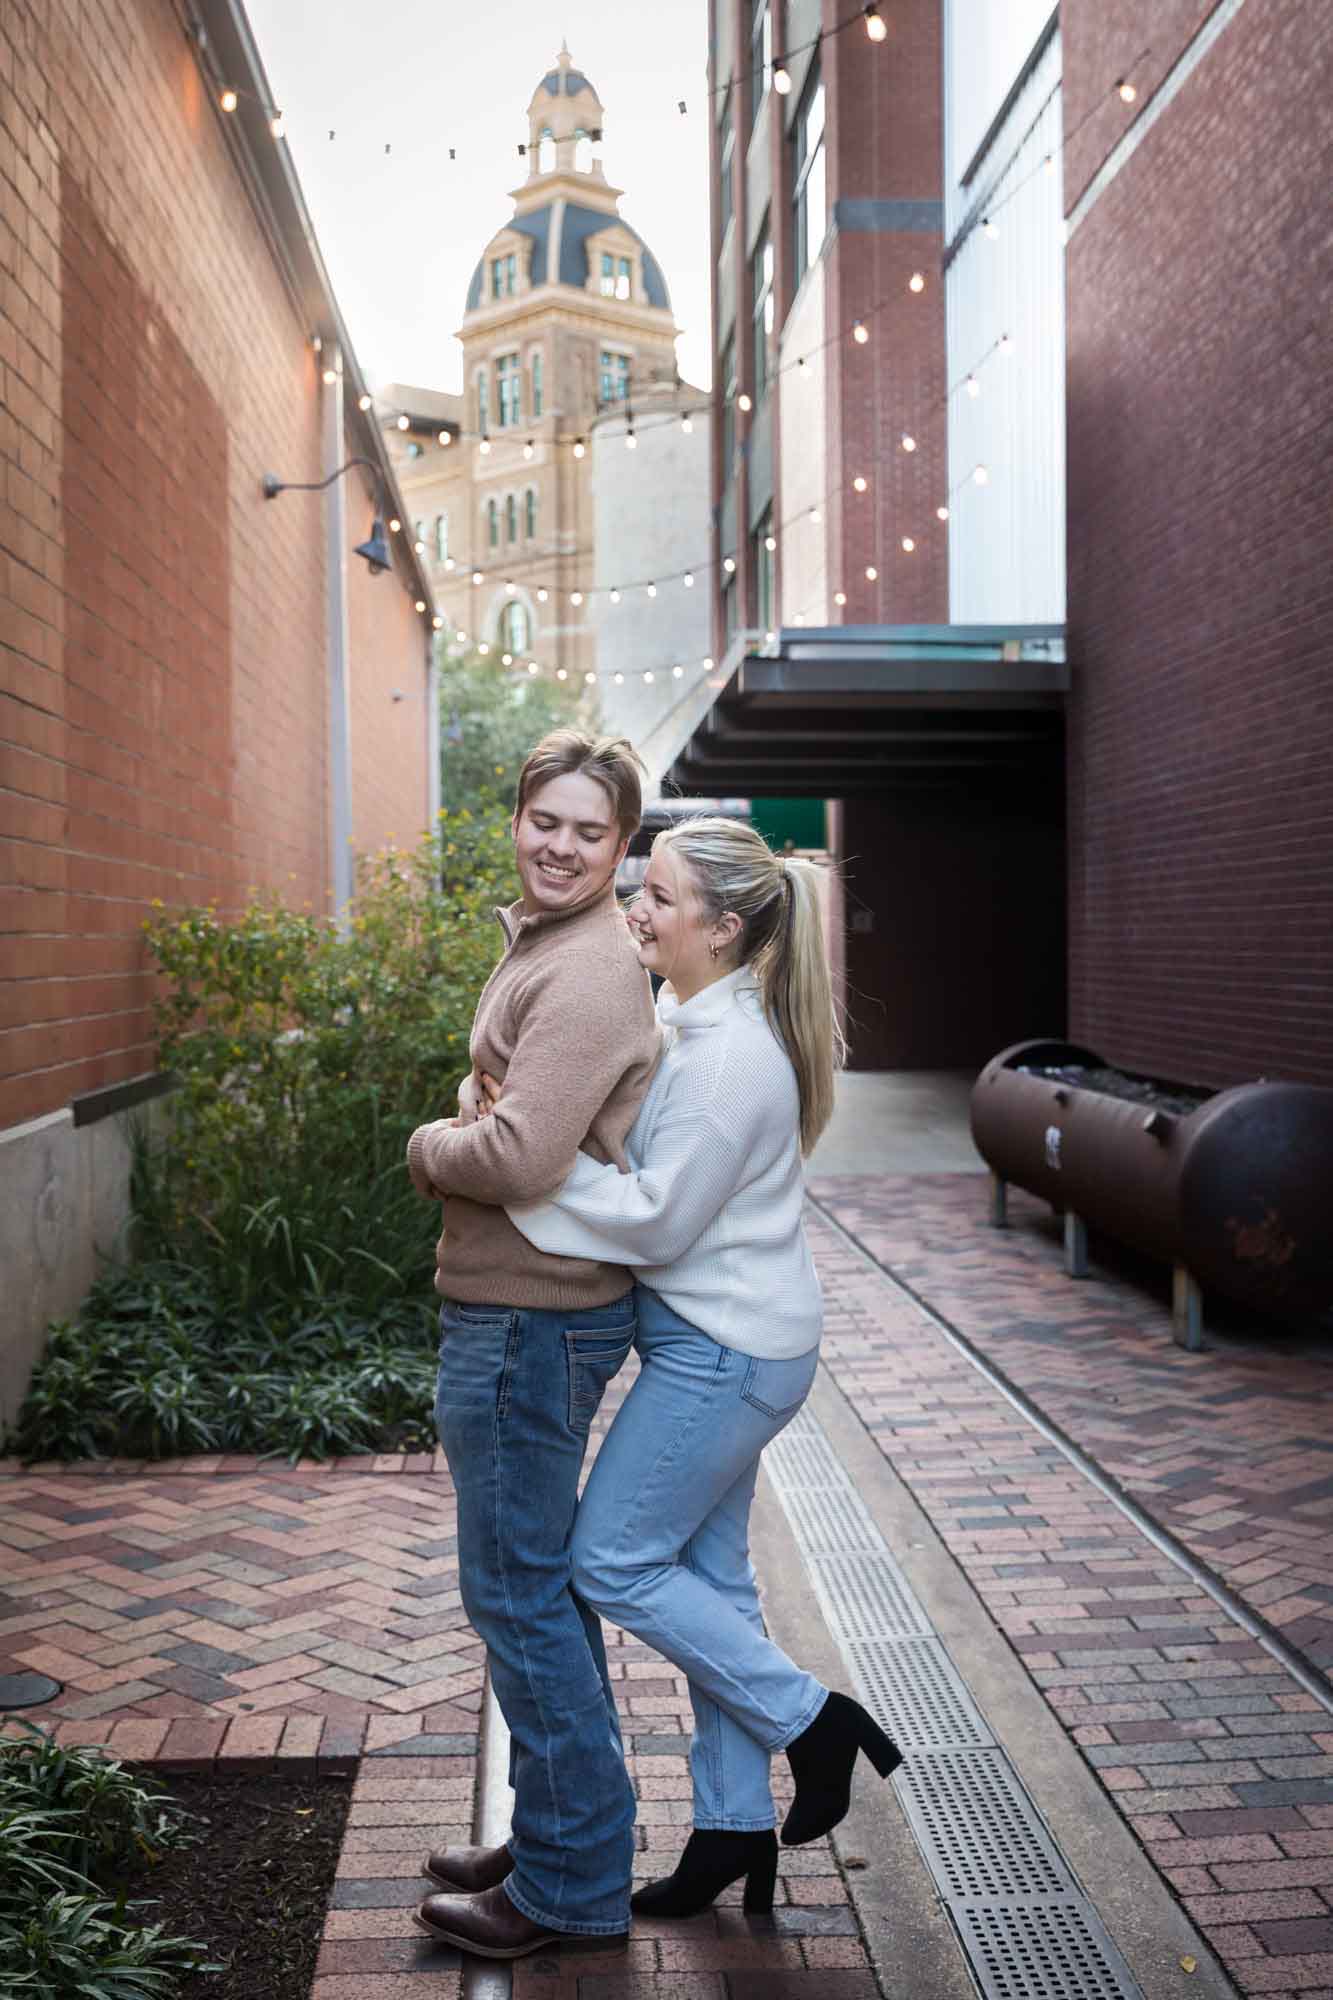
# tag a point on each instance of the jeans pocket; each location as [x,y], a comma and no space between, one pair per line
[594,1358]
[778,1388]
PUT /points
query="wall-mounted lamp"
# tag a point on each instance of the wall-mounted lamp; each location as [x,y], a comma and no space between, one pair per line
[375,550]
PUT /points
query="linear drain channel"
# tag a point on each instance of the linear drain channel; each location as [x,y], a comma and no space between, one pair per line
[1027,1931]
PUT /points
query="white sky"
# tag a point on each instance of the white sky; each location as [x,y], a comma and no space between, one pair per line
[401,233]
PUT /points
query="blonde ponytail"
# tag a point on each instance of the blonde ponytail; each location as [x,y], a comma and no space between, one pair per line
[781,941]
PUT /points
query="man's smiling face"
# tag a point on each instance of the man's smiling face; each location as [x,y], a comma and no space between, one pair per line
[567,843]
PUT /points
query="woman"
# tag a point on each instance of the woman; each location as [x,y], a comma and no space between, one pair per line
[729,1317]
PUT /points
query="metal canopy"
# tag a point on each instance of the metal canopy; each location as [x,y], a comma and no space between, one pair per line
[855,709]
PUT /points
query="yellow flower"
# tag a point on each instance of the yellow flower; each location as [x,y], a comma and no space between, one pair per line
[499,770]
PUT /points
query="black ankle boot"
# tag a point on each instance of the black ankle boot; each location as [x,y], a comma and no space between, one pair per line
[822,1758]
[712,1860]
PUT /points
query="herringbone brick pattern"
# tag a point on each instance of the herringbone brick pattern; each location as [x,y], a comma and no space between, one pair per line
[1231,1449]
[248,1616]
[1218,1759]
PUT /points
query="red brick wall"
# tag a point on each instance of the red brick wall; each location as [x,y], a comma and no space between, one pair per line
[1200,432]
[388,644]
[885,143]
[163,726]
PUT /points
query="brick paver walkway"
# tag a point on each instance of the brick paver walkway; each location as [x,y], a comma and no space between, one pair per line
[1231,1449]
[1218,1759]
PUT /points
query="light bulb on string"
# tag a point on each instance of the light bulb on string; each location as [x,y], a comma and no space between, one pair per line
[364,402]
[631,442]
[917,282]
[876,27]
[476,578]
[533,668]
[990,228]
[1005,343]
[589,677]
[277,125]
[972,386]
[676,673]
[781,78]
[510,586]
[421,604]
[615,597]
[561,674]
[743,402]
[770,543]
[908,545]
[1049,163]
[404,423]
[908,441]
[437,621]
[860,333]
[450,564]
[840,597]
[688,579]
[619,679]
[485,447]
[420,548]
[330,377]
[816,515]
[483,648]
[860,483]
[506,659]
[708,664]
[228,100]
[579,447]
[576,597]
[446,438]
[461,637]
[652,590]
[395,526]
[1126,90]
[542,594]
[729,565]
[527,449]
[871,573]
[686,425]
[648,676]
[980,476]
[941,513]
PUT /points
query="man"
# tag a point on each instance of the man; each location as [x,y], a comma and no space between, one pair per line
[529,1342]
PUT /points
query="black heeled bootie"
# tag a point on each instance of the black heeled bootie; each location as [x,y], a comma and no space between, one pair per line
[713,1859]
[822,1758]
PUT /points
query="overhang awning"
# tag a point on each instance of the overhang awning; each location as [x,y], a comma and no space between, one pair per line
[845,710]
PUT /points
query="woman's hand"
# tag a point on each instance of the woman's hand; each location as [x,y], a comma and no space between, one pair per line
[488,1096]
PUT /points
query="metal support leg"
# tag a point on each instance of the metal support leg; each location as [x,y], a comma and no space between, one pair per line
[1076,1245]
[1186,1310]
[999,1201]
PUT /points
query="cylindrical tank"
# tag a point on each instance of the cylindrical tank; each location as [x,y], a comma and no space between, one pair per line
[1239,1191]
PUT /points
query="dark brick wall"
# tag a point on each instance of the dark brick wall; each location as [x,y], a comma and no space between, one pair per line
[1200,434]
[163,718]
[965,897]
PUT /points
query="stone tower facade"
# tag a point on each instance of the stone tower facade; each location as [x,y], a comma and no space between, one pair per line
[567,319]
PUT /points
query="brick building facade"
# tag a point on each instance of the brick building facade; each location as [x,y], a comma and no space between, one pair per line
[166,635]
[1199,285]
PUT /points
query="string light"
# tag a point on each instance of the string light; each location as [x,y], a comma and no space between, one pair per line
[228,100]
[908,545]
[527,449]
[561,674]
[461,636]
[980,475]
[989,227]
[542,594]
[871,573]
[686,425]
[330,377]
[770,543]
[860,333]
[579,447]
[510,586]
[917,282]
[619,679]
[277,125]
[909,442]
[729,565]
[972,386]
[840,597]
[875,24]
[941,513]
[816,515]
[631,442]
[445,438]
[483,647]
[364,402]
[404,423]
[395,526]
[437,621]
[476,578]
[1005,344]
[420,548]
[781,78]
[589,678]
[860,483]
[648,676]
[485,447]
[506,659]
[421,604]
[652,590]
[576,597]
[688,579]
[533,668]
[1126,90]
[615,597]
[743,402]
[676,673]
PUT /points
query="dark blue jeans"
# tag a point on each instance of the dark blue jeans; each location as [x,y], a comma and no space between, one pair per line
[516,1396]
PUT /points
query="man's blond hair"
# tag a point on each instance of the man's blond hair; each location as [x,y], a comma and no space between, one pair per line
[611,760]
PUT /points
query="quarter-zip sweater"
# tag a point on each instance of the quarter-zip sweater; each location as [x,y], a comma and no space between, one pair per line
[566,1023]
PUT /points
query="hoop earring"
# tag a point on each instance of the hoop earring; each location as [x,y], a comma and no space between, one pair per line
[713,949]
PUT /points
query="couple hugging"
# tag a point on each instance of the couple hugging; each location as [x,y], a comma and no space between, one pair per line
[620,1179]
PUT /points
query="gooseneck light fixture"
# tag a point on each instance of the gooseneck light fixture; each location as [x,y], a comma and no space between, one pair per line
[375,550]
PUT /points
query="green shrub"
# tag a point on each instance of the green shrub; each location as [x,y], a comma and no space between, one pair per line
[71,1823]
[279,1291]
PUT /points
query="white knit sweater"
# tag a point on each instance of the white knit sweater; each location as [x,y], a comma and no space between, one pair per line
[710,1216]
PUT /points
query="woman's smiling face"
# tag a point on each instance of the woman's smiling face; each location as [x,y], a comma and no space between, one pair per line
[669,927]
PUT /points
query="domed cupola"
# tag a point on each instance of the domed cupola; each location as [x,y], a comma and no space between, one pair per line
[566,229]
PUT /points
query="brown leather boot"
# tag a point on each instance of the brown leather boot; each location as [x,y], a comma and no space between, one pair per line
[491,1926]
[470,1869]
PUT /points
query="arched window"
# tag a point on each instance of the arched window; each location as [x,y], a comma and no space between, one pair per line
[441,538]
[515,629]
[493,523]
[511,518]
[530,513]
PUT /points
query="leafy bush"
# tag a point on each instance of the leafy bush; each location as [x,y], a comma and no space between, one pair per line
[71,1823]
[279,1293]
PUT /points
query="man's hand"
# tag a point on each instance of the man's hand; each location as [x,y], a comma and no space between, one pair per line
[423,1185]
[490,1095]
[468,1091]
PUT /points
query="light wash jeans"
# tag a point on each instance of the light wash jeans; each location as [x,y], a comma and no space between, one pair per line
[661,1548]
[517,1392]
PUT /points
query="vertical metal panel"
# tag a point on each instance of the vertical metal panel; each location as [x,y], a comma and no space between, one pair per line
[801,32]
[728,265]
[1007,537]
[758,174]
[761,460]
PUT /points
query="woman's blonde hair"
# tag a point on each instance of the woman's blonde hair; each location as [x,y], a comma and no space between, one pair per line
[781,940]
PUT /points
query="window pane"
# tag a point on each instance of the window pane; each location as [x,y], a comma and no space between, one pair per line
[511,518]
[493,524]
[816,204]
[442,537]
[537,384]
[530,513]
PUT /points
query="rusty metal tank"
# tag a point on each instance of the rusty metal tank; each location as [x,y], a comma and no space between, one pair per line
[1237,1190]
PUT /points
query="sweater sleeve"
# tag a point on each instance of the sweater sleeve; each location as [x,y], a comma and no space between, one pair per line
[577,1039]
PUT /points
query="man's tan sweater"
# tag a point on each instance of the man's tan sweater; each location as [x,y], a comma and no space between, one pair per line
[566,1023]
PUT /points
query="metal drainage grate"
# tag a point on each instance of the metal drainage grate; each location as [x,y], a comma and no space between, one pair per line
[867,1597]
[914,1693]
[831,1522]
[1043,1951]
[979,1829]
[803,1460]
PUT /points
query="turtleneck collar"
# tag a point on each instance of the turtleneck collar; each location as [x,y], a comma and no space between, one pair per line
[709,1005]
